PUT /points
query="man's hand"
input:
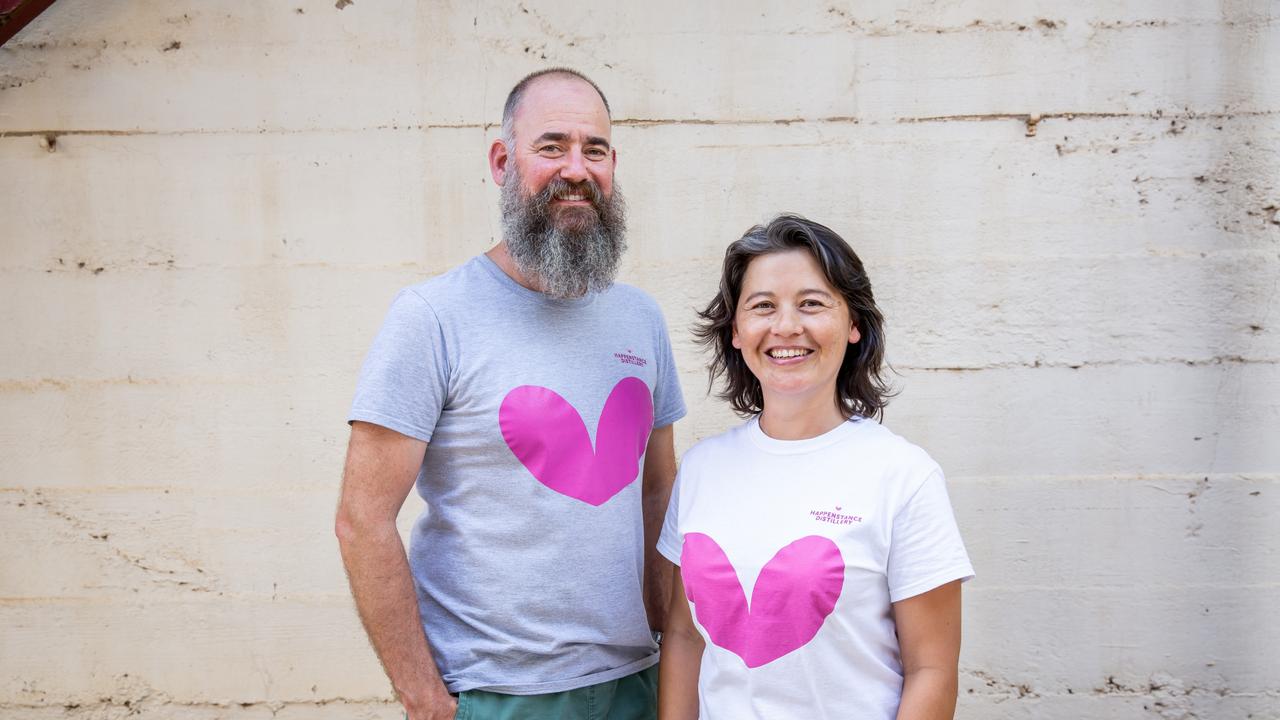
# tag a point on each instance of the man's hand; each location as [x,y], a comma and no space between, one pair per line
[445,708]
[382,466]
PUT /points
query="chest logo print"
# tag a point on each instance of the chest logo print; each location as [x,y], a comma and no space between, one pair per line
[548,436]
[835,518]
[630,358]
[794,593]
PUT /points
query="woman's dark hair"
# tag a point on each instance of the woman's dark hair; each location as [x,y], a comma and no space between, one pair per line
[861,389]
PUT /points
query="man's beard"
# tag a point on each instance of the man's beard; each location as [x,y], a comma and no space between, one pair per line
[568,251]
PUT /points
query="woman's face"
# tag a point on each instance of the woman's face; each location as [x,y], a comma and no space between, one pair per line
[792,327]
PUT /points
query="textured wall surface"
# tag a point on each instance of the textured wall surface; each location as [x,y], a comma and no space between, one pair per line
[1069,210]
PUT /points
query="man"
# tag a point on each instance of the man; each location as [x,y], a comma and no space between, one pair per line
[525,394]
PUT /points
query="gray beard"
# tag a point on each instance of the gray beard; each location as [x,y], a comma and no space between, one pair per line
[568,252]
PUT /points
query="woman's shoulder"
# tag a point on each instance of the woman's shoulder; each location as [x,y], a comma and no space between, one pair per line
[876,432]
[899,455]
[733,440]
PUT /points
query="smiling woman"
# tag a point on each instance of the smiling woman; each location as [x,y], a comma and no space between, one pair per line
[792,329]
[804,256]
[839,531]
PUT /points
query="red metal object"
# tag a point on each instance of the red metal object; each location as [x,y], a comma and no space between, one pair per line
[15,14]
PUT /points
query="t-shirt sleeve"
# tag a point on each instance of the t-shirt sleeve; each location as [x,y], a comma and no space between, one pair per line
[925,548]
[404,380]
[668,401]
[670,543]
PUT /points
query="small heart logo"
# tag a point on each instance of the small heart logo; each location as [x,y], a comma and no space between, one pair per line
[793,595]
[548,436]
[838,508]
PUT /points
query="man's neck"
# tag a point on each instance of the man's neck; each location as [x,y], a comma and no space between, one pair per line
[500,257]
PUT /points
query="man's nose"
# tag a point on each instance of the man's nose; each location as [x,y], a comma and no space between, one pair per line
[574,169]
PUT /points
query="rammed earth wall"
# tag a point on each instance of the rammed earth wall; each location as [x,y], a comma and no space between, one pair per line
[1069,211]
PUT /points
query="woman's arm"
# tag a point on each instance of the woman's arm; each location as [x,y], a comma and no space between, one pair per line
[929,638]
[682,648]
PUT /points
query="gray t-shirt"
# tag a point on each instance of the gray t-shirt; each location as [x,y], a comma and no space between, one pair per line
[529,557]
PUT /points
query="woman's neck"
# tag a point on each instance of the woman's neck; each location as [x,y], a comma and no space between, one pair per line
[799,419]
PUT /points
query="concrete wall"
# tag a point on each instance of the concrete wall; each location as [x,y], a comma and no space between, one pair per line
[205,208]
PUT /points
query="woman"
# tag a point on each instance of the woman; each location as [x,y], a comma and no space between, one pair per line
[839,532]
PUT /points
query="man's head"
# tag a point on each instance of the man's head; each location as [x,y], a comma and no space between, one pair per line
[563,219]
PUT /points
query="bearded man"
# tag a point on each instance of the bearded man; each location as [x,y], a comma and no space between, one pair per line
[530,399]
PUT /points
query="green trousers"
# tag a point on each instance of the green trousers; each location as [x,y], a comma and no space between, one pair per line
[634,697]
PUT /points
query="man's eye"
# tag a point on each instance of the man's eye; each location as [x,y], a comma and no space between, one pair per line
[597,153]
[549,149]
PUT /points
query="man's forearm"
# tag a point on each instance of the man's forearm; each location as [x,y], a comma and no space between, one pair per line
[657,569]
[659,474]
[383,589]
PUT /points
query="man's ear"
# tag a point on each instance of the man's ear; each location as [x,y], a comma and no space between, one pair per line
[498,159]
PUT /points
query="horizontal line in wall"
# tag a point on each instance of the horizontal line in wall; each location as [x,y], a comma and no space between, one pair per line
[1086,364]
[179,596]
[84,267]
[661,122]
[87,267]
[1137,476]
[841,23]
[1219,591]
[148,700]
[69,383]
[1007,691]
[1044,27]
[187,490]
[173,595]
[1060,115]
[243,131]
[192,490]
[1133,477]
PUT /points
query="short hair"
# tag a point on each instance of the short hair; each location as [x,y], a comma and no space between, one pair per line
[861,389]
[516,96]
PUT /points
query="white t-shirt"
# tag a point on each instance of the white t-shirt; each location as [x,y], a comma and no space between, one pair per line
[822,535]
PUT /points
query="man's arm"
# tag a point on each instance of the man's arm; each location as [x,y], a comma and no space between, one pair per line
[659,474]
[929,638]
[381,468]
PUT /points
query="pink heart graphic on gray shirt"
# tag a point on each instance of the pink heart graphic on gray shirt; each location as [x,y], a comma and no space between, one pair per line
[547,434]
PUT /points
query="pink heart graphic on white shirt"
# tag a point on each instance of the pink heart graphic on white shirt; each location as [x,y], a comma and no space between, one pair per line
[794,593]
[547,434]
